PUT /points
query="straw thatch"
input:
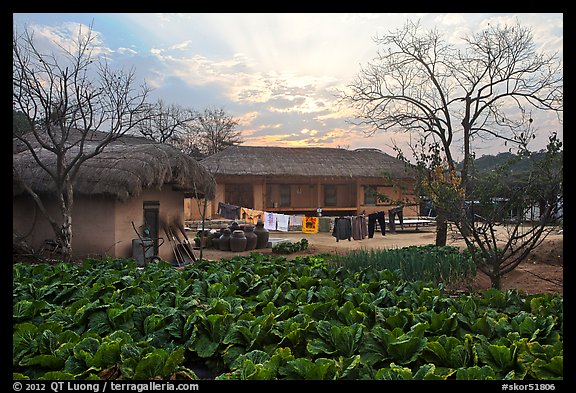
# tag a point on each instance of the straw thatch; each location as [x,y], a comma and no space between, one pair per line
[306,161]
[124,168]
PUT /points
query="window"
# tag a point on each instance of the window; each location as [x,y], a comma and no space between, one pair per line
[330,195]
[285,200]
[369,196]
[269,196]
[239,195]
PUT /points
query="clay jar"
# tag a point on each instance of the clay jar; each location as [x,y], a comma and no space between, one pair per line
[263,235]
[234,226]
[215,238]
[238,241]
[251,238]
[224,241]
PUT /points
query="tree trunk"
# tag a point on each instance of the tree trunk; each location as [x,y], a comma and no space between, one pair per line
[496,281]
[65,237]
[441,229]
[203,224]
[495,272]
[466,219]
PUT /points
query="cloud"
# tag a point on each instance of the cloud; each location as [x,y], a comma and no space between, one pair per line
[282,92]
[246,118]
[308,132]
[199,70]
[66,37]
[181,46]
[451,19]
[277,74]
[126,51]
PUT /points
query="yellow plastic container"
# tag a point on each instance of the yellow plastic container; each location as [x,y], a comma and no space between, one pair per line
[310,224]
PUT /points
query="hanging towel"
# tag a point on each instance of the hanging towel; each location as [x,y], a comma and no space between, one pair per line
[295,223]
[270,221]
[282,222]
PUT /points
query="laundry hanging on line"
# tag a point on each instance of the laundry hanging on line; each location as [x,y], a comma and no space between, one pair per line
[251,215]
[282,222]
[342,228]
[231,212]
[372,218]
[270,221]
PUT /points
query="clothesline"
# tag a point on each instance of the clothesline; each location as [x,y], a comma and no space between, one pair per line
[354,227]
[349,227]
[358,228]
[272,221]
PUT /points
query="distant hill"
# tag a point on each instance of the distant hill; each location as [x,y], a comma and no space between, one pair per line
[489,162]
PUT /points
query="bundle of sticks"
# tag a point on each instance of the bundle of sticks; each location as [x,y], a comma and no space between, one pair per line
[182,248]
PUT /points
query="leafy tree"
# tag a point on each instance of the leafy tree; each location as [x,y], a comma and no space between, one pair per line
[67,95]
[20,123]
[500,232]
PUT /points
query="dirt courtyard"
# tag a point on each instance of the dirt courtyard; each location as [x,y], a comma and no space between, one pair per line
[541,272]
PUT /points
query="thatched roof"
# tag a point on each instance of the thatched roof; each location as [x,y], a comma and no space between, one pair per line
[125,168]
[306,161]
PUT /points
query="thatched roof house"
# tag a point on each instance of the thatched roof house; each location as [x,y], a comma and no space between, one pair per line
[305,161]
[302,180]
[132,181]
[122,170]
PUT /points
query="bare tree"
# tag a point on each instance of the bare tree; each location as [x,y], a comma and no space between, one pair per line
[67,95]
[450,98]
[165,123]
[215,130]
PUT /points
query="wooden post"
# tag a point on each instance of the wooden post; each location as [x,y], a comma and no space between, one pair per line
[318,194]
[357,194]
[264,194]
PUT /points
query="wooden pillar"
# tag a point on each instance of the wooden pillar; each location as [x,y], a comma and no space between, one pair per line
[264,193]
[357,194]
[318,194]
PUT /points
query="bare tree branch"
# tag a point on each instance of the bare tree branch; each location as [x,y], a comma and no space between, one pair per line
[166,123]
[69,96]
[451,97]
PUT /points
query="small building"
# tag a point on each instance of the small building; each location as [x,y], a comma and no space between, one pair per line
[297,180]
[133,187]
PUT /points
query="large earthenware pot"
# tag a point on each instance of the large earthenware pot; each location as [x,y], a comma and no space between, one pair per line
[234,226]
[251,238]
[238,241]
[224,241]
[263,235]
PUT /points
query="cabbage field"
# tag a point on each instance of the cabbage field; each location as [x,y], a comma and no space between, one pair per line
[270,318]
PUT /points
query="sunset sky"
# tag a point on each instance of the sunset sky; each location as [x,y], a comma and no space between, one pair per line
[277,74]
